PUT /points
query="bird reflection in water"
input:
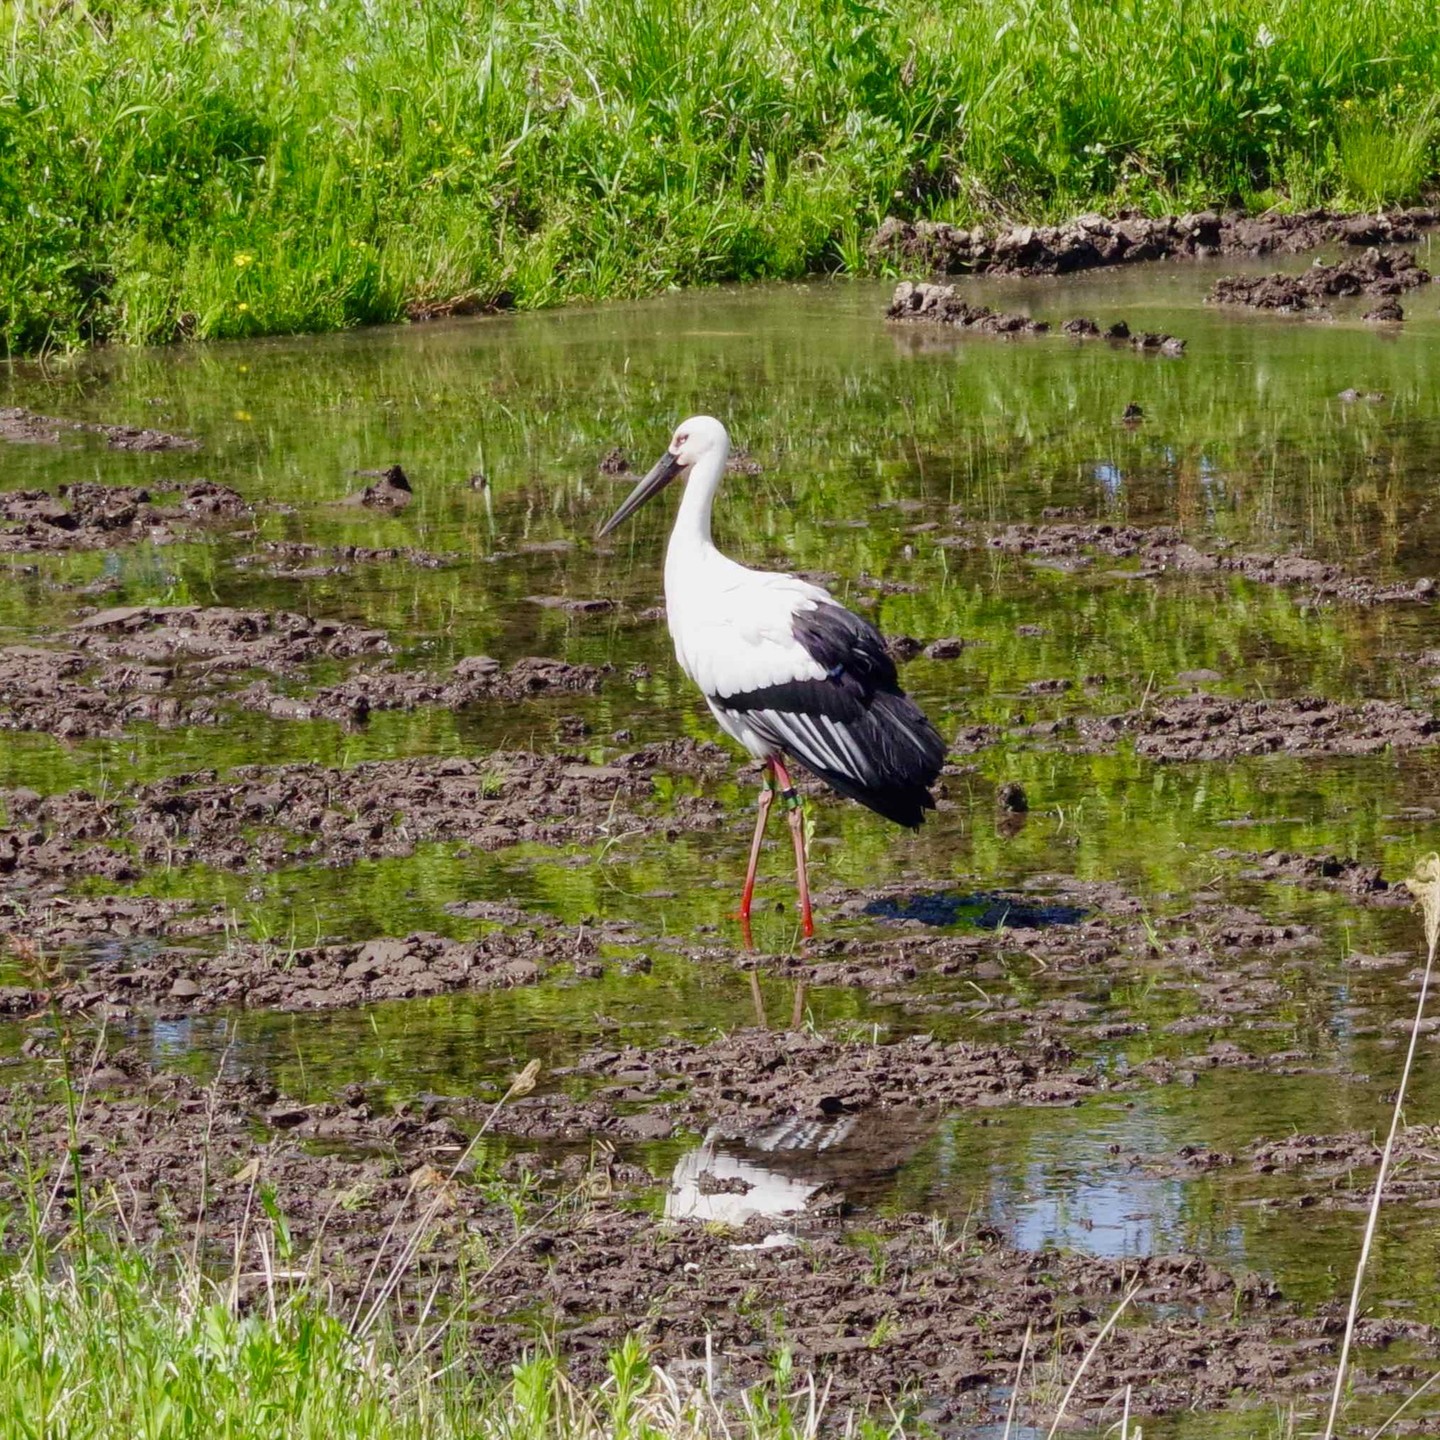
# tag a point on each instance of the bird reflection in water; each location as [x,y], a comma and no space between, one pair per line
[796,1166]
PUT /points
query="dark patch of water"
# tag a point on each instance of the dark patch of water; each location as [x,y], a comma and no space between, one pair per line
[984,912]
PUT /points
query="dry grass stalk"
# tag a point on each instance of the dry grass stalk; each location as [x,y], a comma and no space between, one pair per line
[1090,1354]
[522,1084]
[1403,1406]
[1019,1377]
[1424,884]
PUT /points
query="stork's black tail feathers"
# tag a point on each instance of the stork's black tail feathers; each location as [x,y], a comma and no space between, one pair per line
[854,726]
[906,752]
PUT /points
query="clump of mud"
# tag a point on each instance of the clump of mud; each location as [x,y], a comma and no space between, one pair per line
[1093,241]
[65,693]
[941,305]
[327,977]
[259,817]
[1164,550]
[1388,312]
[942,1313]
[1376,272]
[88,516]
[171,665]
[753,1078]
[1205,727]
[284,559]
[28,427]
[1356,879]
[473,681]
[1066,541]
[573,604]
[391,490]
[1157,342]
[223,637]
[1083,328]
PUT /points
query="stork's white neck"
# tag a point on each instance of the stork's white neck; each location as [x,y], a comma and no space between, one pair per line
[691,534]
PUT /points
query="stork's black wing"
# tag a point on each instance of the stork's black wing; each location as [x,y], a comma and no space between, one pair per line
[855,728]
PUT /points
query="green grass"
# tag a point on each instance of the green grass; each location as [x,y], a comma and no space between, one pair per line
[106,1341]
[1386,157]
[189,1338]
[218,168]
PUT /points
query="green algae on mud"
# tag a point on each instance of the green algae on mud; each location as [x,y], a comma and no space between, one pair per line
[889,461]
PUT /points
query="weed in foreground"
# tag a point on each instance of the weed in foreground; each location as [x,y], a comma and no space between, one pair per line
[99,1336]
[109,1341]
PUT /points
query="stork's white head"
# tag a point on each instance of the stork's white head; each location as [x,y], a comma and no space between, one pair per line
[701,437]
[697,437]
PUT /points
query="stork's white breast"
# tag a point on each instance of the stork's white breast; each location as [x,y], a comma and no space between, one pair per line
[733,627]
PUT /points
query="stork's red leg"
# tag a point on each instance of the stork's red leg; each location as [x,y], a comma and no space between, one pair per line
[797,832]
[767,794]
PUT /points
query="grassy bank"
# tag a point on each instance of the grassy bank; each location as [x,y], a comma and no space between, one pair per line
[207,1334]
[108,1342]
[229,168]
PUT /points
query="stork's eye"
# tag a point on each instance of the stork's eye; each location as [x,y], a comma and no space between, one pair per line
[682,440]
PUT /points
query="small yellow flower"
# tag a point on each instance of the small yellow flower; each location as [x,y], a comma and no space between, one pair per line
[242,307]
[243,415]
[243,258]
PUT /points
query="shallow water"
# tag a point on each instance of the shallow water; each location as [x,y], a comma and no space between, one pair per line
[873,440]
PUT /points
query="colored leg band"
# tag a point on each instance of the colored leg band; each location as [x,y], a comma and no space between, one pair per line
[790,798]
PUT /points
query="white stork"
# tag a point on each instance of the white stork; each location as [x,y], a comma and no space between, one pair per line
[784,668]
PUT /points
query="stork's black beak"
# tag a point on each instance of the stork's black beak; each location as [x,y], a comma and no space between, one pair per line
[667,467]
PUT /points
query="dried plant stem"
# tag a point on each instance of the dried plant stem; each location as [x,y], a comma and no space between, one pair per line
[1403,1406]
[1426,887]
[1019,1377]
[522,1084]
[1095,1344]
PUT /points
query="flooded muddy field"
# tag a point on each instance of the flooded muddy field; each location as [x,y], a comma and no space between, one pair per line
[324,811]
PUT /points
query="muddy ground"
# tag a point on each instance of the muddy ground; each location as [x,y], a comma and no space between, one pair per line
[1164,550]
[1383,274]
[1208,727]
[259,817]
[184,665]
[922,1314]
[1043,976]
[1093,241]
[89,516]
[188,664]
[923,304]
[26,427]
